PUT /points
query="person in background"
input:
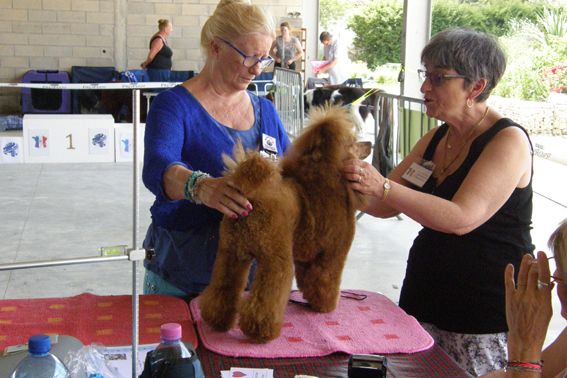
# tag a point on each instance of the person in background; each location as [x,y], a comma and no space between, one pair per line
[158,63]
[468,182]
[331,54]
[188,129]
[286,49]
[528,310]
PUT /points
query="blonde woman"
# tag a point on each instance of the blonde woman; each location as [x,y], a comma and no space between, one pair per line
[159,61]
[188,129]
[528,311]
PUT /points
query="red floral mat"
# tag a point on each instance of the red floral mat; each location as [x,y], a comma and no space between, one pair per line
[106,320]
[363,322]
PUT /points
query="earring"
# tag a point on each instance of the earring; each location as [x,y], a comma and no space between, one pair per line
[469,103]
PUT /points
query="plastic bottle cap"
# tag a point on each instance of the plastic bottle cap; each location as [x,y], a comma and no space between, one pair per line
[39,344]
[170,331]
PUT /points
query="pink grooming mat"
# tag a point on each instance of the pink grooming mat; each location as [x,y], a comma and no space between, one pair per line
[364,322]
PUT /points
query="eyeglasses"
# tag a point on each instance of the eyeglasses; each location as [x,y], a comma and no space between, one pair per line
[555,278]
[250,61]
[437,79]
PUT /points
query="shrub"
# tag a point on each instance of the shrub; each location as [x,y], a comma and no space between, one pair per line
[378,32]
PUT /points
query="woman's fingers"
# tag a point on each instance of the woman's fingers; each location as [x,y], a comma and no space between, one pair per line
[219,194]
[509,282]
[544,274]
[524,272]
[354,171]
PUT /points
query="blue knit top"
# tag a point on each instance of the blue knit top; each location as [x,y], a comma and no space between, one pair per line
[183,235]
[180,131]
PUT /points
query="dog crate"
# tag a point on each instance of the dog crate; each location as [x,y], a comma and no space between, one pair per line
[89,101]
[46,100]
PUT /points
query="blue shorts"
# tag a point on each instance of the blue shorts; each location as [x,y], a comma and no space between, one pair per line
[154,284]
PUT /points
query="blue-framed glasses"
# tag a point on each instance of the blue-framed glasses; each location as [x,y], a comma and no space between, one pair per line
[250,61]
[437,79]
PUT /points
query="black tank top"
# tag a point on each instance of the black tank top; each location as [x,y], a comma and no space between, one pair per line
[457,282]
[162,60]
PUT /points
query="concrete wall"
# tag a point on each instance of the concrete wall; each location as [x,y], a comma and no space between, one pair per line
[59,34]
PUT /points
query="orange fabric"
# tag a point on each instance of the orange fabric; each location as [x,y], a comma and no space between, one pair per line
[105,320]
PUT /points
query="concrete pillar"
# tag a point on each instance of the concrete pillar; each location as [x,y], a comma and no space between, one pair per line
[310,16]
[120,42]
[416,33]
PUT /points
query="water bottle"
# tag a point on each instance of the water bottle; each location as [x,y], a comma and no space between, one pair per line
[39,363]
[170,347]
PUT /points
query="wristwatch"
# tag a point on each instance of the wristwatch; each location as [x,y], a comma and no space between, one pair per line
[386,189]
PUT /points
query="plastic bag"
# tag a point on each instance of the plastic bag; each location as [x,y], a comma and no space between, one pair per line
[89,361]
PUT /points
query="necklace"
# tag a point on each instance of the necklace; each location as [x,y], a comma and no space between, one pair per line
[467,139]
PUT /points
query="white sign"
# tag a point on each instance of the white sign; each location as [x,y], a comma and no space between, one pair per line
[124,141]
[68,138]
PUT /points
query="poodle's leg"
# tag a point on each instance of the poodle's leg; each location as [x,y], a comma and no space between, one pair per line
[320,279]
[262,313]
[219,300]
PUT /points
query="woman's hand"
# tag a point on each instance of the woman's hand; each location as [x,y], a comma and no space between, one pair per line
[364,178]
[219,194]
[528,308]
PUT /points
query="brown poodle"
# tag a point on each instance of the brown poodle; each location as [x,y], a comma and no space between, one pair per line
[303,215]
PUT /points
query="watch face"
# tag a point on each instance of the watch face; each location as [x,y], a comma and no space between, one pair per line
[387,185]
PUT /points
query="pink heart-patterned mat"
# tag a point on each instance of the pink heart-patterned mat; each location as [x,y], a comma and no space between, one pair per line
[363,323]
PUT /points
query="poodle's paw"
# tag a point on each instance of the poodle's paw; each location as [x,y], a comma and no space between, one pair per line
[258,325]
[217,313]
[322,302]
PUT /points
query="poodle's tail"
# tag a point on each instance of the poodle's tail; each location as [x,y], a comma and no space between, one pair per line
[248,170]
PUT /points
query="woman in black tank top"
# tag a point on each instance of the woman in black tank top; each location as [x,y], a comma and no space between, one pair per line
[159,56]
[469,183]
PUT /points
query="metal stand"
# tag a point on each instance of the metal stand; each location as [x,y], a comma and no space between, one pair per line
[133,254]
[135,221]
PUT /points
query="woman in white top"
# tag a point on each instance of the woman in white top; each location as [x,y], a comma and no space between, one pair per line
[334,65]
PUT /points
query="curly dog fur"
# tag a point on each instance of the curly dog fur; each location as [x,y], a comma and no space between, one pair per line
[303,216]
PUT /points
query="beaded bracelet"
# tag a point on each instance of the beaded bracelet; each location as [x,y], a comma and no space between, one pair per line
[191,186]
[532,367]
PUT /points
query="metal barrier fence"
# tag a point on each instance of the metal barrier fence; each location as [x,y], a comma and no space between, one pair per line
[135,253]
[407,119]
[288,99]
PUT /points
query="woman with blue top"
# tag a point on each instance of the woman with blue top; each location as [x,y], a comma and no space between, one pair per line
[188,129]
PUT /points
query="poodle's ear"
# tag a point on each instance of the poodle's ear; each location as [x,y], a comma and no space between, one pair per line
[362,150]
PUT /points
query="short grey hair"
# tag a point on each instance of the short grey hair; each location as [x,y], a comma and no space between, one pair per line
[473,54]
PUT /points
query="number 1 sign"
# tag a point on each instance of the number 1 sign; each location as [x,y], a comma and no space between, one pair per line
[68,138]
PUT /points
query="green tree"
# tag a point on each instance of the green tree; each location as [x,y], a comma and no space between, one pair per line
[378,33]
[330,11]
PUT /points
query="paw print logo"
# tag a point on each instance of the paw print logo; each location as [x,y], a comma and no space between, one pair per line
[99,140]
[10,149]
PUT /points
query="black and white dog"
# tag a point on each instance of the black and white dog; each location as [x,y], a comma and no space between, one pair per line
[340,95]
